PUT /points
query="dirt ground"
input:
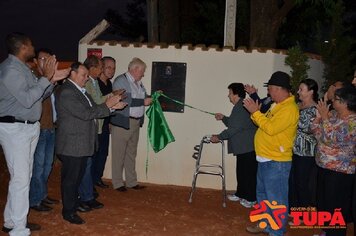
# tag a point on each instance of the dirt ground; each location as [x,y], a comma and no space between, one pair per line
[155,210]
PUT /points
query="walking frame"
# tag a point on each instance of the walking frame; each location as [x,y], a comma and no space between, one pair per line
[217,169]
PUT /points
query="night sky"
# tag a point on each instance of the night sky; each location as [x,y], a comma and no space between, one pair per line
[60,24]
[54,24]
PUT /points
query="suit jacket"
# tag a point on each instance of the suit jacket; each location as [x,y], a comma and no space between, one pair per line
[76,133]
[98,98]
[240,130]
[121,117]
[265,102]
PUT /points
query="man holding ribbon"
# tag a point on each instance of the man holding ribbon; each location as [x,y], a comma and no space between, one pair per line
[126,126]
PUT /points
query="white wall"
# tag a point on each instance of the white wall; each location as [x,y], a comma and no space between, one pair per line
[209,72]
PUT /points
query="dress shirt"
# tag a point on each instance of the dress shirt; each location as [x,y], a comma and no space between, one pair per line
[138,92]
[21,92]
[82,90]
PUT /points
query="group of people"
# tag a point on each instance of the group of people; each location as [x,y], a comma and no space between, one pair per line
[46,111]
[297,152]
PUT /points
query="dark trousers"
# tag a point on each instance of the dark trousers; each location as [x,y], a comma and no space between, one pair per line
[302,182]
[335,191]
[246,175]
[101,155]
[72,172]
[86,187]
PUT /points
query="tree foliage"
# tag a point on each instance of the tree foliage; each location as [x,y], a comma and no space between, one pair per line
[243,23]
[337,52]
[133,25]
[207,26]
[260,23]
[266,17]
[137,21]
[298,62]
[304,20]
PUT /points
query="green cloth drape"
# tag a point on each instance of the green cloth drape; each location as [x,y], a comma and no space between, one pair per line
[158,131]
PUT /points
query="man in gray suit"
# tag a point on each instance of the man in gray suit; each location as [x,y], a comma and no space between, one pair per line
[76,134]
[126,126]
[240,134]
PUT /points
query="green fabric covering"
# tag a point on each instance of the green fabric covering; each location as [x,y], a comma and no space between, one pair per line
[158,131]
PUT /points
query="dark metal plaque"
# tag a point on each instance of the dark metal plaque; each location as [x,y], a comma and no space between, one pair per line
[170,78]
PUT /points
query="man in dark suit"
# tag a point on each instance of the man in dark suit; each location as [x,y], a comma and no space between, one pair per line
[76,134]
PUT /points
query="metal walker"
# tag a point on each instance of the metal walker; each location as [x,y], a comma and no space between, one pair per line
[208,169]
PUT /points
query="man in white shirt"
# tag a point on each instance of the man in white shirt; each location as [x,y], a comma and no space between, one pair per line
[126,126]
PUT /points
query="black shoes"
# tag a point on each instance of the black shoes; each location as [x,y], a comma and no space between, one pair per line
[5,229]
[89,205]
[42,207]
[121,189]
[138,187]
[74,219]
[31,226]
[83,207]
[101,184]
[95,193]
[93,204]
[50,201]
